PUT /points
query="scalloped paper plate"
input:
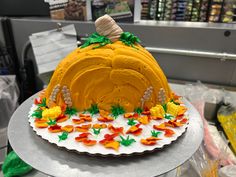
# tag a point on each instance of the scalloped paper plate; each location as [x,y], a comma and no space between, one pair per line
[98,149]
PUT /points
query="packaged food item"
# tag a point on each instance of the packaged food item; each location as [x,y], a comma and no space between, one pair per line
[68,9]
[188,11]
[98,8]
[215,10]
[228,11]
[57,9]
[168,10]
[182,10]
[195,10]
[152,11]
[160,10]
[118,9]
[227,117]
[75,10]
[204,10]
[144,11]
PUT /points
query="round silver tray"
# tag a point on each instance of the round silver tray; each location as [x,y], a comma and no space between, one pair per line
[55,161]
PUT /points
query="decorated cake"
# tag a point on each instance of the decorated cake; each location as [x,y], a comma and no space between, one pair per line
[109,96]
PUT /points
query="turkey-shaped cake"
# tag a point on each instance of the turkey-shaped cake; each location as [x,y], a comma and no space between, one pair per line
[111,68]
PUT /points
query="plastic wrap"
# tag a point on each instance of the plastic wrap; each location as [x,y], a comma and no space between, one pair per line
[227,118]
[9,94]
[228,171]
[210,156]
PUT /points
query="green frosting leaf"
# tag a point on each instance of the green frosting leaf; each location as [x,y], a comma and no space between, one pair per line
[138,110]
[131,122]
[51,122]
[37,113]
[43,104]
[164,107]
[127,141]
[117,110]
[70,111]
[129,39]
[96,38]
[168,116]
[93,109]
[96,131]
[173,101]
[84,111]
[63,136]
[155,133]
[14,166]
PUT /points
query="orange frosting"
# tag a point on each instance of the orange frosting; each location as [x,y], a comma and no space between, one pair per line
[110,75]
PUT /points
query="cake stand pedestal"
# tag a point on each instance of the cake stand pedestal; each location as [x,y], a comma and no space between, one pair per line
[54,161]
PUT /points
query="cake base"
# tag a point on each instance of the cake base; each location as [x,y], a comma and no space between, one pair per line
[98,149]
[55,161]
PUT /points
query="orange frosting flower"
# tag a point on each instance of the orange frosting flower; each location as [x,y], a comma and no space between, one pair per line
[87,118]
[63,107]
[115,129]
[128,115]
[40,123]
[173,123]
[156,118]
[150,141]
[55,128]
[152,138]
[82,137]
[78,121]
[68,128]
[88,142]
[135,130]
[182,111]
[169,132]
[61,118]
[184,121]
[103,113]
[161,127]
[146,113]
[108,138]
[105,119]
[37,100]
[143,120]
[83,115]
[112,144]
[97,126]
[83,128]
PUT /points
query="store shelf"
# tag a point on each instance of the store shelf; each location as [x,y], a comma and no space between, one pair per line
[181,24]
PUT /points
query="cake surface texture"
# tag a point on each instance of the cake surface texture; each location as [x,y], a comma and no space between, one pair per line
[106,75]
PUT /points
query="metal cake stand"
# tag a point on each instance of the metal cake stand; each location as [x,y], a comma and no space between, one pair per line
[51,160]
